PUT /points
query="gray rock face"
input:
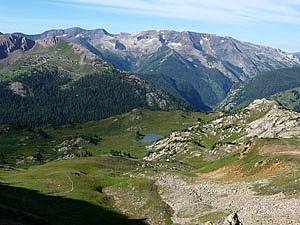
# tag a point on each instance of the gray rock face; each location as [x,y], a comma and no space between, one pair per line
[277,122]
[222,53]
[47,42]
[12,43]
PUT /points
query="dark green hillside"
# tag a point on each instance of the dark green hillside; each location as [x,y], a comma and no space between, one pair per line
[122,63]
[266,85]
[180,89]
[57,85]
[200,86]
[91,97]
[289,99]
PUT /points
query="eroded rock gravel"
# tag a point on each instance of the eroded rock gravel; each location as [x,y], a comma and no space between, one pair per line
[190,198]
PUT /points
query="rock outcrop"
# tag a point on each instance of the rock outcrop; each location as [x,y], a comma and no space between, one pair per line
[261,119]
[18,88]
[232,219]
[177,142]
[48,42]
[277,122]
[12,43]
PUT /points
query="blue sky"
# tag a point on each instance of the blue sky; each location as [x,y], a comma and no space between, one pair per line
[274,23]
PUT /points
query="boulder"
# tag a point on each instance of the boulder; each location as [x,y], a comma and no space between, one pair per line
[232,219]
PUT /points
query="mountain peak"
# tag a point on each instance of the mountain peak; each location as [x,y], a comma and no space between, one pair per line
[74,29]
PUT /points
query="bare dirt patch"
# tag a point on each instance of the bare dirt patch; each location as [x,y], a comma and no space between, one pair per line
[236,173]
[277,149]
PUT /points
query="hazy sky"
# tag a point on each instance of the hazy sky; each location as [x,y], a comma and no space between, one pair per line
[274,23]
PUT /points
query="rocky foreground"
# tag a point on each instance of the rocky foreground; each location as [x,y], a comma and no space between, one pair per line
[261,119]
[190,198]
[231,188]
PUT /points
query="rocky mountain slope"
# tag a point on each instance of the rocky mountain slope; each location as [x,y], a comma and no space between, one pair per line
[14,44]
[188,64]
[261,119]
[60,82]
[211,50]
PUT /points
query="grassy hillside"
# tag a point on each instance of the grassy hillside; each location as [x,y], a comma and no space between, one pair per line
[69,192]
[60,56]
[119,134]
[86,189]
[93,190]
[100,176]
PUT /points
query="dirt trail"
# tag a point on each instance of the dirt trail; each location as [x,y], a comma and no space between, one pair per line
[192,198]
[68,191]
[72,185]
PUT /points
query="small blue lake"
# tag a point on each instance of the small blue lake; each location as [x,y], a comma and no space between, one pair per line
[151,137]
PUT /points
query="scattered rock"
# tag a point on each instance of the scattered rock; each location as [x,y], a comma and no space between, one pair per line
[263,119]
[190,198]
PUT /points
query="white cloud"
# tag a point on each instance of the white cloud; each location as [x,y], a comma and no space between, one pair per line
[225,11]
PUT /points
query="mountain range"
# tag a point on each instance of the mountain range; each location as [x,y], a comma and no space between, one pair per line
[99,128]
[53,81]
[199,68]
[196,70]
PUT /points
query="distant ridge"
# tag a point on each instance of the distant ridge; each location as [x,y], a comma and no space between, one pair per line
[200,69]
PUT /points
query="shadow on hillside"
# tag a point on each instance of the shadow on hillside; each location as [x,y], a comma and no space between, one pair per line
[20,206]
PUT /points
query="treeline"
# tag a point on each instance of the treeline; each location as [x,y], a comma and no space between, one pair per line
[52,98]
